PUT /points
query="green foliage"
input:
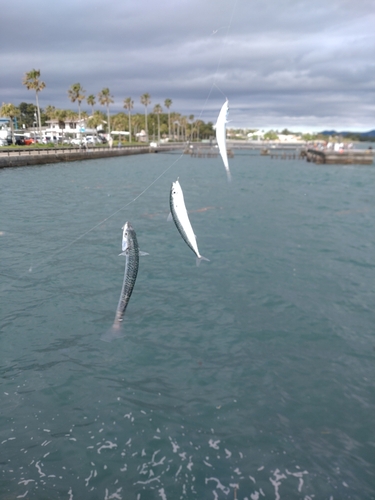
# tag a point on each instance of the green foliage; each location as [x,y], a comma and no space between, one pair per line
[27,114]
[271,135]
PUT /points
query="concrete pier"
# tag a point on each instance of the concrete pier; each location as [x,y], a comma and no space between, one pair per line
[21,157]
[342,157]
[205,152]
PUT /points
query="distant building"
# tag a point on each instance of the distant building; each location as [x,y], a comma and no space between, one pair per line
[258,135]
[141,136]
[72,127]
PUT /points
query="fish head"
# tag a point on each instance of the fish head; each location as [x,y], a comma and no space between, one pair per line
[176,188]
[222,118]
[126,235]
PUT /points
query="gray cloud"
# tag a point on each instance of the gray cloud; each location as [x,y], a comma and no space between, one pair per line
[280,62]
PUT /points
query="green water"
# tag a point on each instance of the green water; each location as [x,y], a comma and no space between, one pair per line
[249,377]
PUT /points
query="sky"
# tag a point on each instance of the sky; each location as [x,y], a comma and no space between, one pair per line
[296,64]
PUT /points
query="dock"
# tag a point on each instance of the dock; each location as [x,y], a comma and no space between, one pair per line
[280,154]
[205,152]
[342,157]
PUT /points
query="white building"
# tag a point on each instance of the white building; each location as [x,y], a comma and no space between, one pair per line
[57,130]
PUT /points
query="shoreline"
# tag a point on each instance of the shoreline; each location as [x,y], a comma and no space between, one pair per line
[23,158]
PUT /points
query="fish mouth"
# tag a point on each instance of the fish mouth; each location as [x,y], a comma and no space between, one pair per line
[127,225]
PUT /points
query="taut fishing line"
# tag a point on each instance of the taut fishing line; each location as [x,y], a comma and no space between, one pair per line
[65,247]
[220,59]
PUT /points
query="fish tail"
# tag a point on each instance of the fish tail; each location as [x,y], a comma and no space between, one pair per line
[113,333]
[199,260]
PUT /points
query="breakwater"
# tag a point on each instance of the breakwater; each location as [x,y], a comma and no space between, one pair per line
[342,157]
[21,157]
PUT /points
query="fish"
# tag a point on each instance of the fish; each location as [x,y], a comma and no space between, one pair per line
[131,252]
[181,219]
[220,127]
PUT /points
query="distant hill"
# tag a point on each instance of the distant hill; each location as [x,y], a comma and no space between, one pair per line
[370,134]
[362,135]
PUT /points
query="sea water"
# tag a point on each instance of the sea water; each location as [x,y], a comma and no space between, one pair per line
[248,377]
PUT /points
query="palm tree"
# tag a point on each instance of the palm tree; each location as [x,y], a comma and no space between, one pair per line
[198,124]
[91,102]
[128,104]
[76,93]
[96,120]
[32,81]
[158,110]
[183,123]
[191,119]
[10,111]
[60,115]
[146,100]
[50,111]
[168,104]
[137,124]
[105,99]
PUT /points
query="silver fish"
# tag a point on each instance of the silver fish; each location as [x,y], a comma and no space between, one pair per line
[220,126]
[131,251]
[181,219]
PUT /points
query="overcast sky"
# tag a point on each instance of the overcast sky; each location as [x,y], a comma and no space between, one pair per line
[305,65]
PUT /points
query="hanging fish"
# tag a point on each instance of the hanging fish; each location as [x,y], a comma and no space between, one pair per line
[181,219]
[221,133]
[131,251]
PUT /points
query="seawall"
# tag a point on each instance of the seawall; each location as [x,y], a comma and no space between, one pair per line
[22,157]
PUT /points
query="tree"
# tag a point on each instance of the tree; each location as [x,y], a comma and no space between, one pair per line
[158,110]
[50,112]
[32,81]
[128,104]
[91,102]
[61,116]
[198,124]
[271,135]
[27,114]
[183,124]
[191,119]
[146,100]
[77,93]
[96,120]
[105,99]
[137,124]
[10,111]
[168,104]
[119,122]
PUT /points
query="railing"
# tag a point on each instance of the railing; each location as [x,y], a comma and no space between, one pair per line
[24,150]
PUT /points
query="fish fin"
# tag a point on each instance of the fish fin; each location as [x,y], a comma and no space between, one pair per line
[142,254]
[123,253]
[113,333]
[199,260]
[169,218]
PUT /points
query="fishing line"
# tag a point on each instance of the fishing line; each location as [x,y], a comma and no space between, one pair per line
[220,59]
[68,245]
[170,166]
[65,247]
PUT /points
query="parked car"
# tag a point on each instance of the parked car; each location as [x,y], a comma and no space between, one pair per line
[49,139]
[77,142]
[92,139]
[18,140]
